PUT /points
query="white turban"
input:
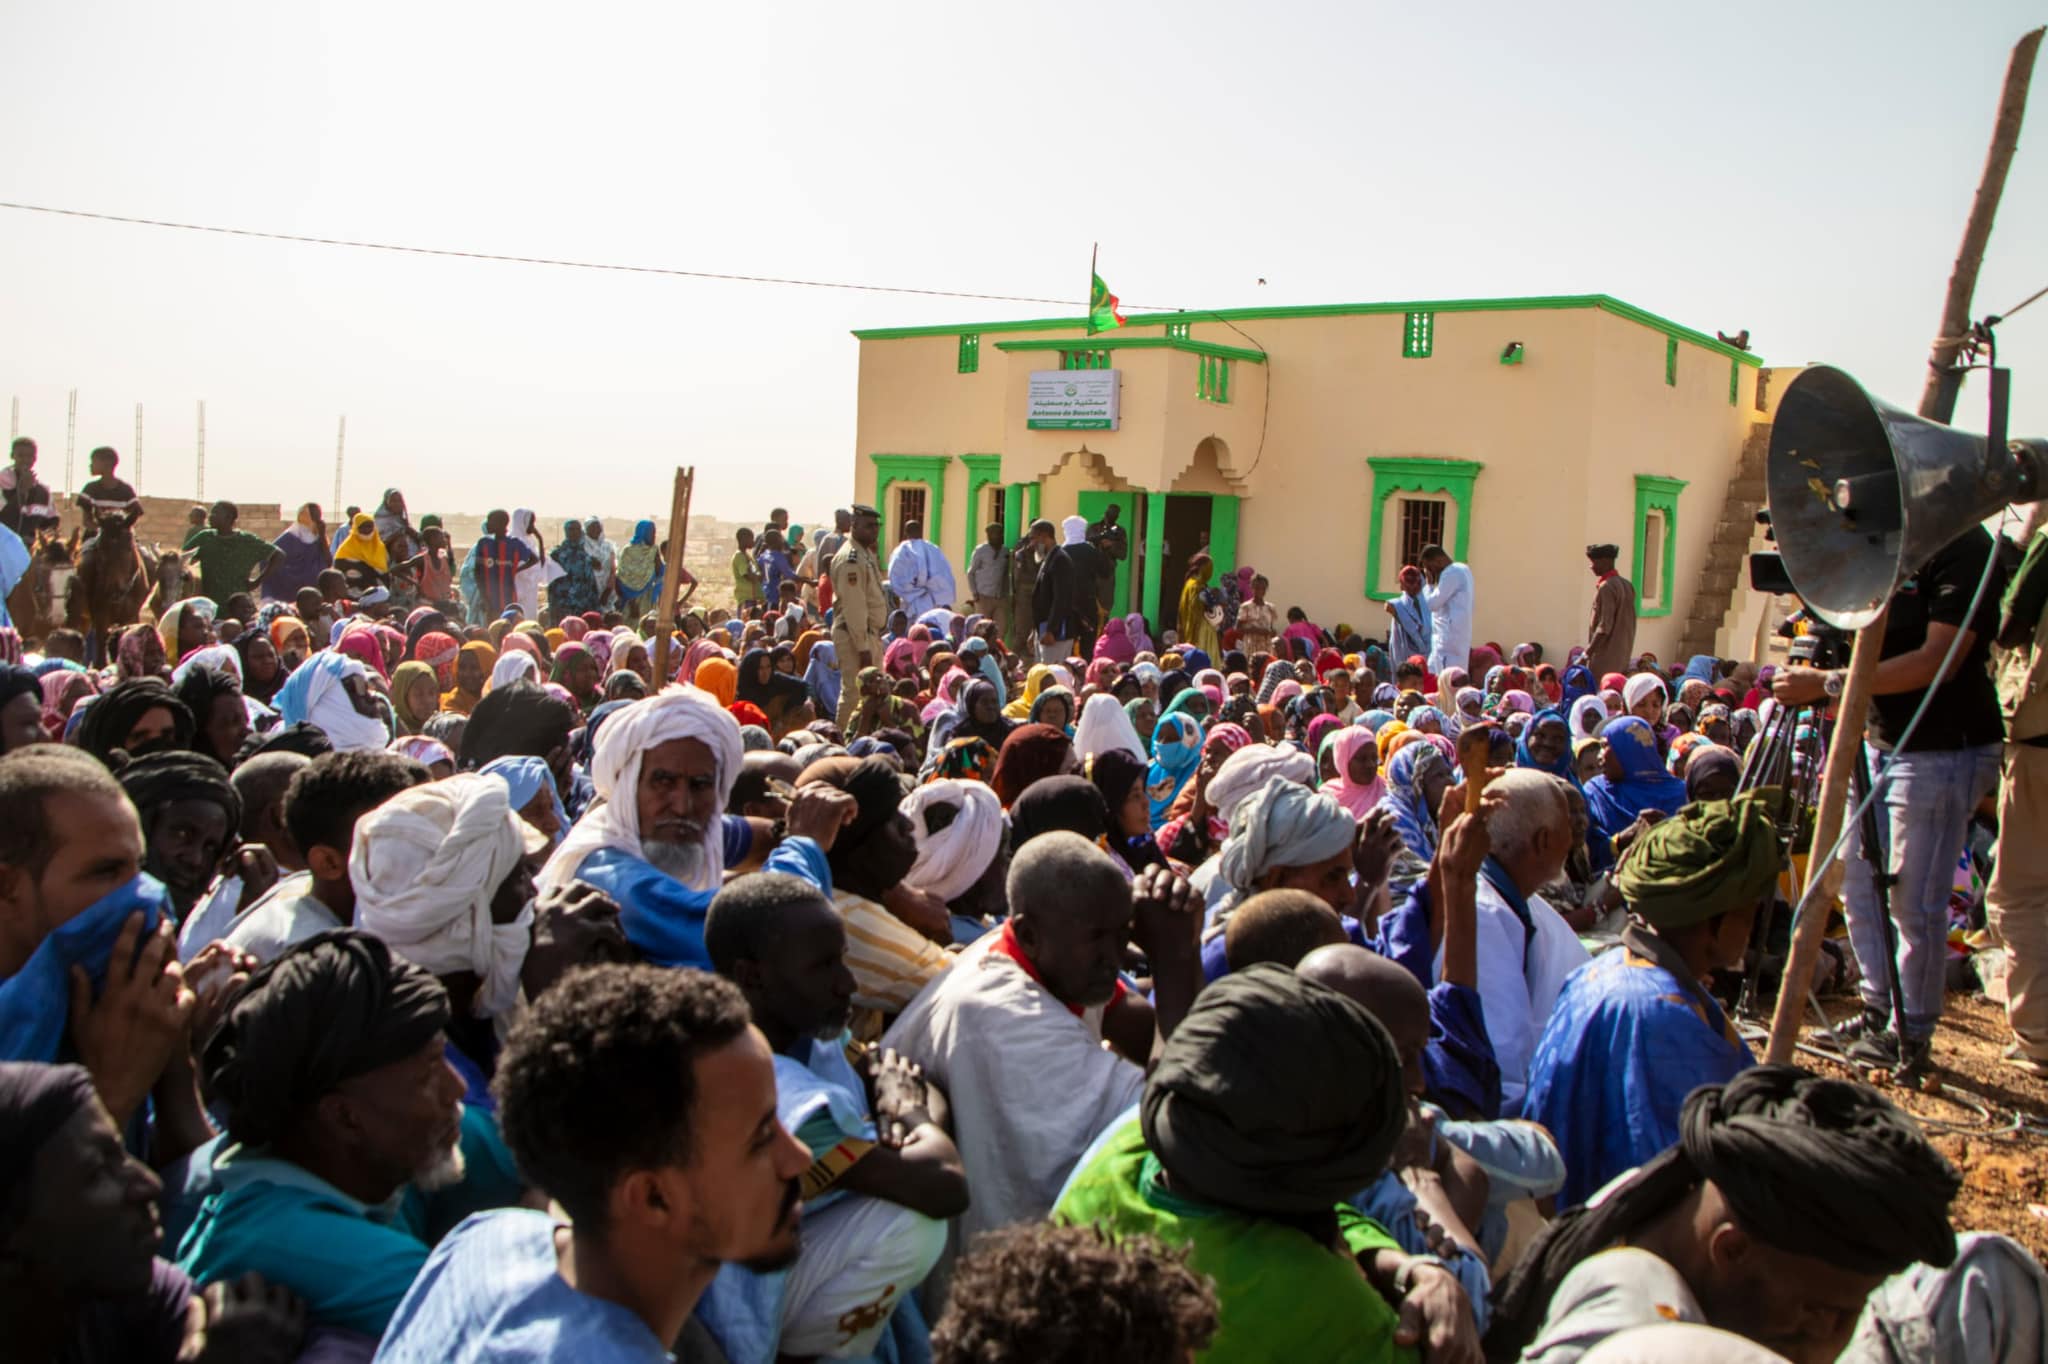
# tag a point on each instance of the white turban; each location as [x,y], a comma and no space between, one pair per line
[1244,772]
[514,665]
[222,658]
[1641,685]
[1104,725]
[954,858]
[1076,528]
[675,712]
[1284,824]
[425,866]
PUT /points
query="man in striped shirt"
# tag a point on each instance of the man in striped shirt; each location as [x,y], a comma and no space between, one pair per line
[499,559]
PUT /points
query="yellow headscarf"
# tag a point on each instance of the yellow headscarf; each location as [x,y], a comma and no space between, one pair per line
[1037,680]
[364,544]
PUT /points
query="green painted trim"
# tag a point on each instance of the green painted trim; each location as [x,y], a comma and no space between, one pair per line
[1671,361]
[1091,504]
[1418,335]
[1654,492]
[982,470]
[1734,381]
[1155,555]
[1209,348]
[1031,492]
[929,470]
[1544,303]
[1223,512]
[1013,514]
[1404,474]
[970,353]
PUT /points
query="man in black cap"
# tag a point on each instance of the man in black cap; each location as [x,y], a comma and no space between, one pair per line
[859,607]
[1611,638]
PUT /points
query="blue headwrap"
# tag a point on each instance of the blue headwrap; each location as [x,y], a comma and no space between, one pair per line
[527,777]
[35,1002]
[1176,753]
[1644,784]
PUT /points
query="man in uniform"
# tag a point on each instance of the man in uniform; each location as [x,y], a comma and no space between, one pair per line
[1611,638]
[858,605]
[1113,542]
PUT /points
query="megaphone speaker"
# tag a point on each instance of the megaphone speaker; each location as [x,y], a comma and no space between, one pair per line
[1863,494]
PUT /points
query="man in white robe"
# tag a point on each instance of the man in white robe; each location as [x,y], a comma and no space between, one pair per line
[1449,599]
[919,574]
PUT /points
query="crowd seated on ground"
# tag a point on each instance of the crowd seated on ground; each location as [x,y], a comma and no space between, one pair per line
[418,957]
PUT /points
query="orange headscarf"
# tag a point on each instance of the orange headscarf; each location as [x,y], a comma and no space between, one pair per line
[719,677]
[460,701]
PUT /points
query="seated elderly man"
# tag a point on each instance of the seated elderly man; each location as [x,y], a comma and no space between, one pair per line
[1778,1216]
[1014,1032]
[1525,948]
[342,1111]
[1245,1153]
[659,843]
[322,804]
[884,1175]
[1637,1030]
[1242,775]
[891,959]
[79,1275]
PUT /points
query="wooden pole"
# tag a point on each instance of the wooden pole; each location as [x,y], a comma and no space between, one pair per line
[1937,402]
[672,572]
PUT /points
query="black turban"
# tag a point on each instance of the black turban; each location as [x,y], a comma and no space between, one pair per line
[874,785]
[304,738]
[1069,803]
[35,1100]
[1828,1169]
[114,712]
[1275,1096]
[159,778]
[200,687]
[16,680]
[333,1007]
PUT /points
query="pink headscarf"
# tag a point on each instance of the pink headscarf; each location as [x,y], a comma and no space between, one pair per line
[63,690]
[947,695]
[522,643]
[1359,800]
[699,650]
[575,627]
[920,638]
[1102,672]
[1134,627]
[600,646]
[1114,643]
[363,646]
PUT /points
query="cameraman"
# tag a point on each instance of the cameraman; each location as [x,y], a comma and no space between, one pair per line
[1934,785]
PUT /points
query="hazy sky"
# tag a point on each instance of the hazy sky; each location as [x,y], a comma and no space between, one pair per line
[1801,169]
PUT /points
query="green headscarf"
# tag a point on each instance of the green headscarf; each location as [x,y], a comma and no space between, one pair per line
[1706,860]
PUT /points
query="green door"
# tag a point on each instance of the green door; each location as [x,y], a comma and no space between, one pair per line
[1092,505]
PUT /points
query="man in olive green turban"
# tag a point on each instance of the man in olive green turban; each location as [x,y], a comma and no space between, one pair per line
[1636,1030]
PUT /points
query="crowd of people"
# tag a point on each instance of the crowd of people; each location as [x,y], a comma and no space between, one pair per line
[409,955]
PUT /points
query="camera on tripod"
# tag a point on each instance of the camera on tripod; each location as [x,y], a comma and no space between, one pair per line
[1814,642]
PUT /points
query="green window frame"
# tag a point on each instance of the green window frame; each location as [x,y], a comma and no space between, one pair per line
[1020,509]
[1656,502]
[1671,361]
[1177,331]
[1452,478]
[1084,359]
[928,470]
[970,352]
[982,470]
[1734,380]
[1212,378]
[1418,336]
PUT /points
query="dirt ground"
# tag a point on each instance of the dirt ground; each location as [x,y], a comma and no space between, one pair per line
[2004,1160]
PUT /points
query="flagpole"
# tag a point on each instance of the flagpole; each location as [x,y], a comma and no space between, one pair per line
[1094,249]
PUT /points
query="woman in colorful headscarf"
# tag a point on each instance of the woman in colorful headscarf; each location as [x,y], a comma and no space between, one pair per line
[1114,643]
[438,651]
[1054,707]
[262,672]
[474,663]
[1134,628]
[1031,754]
[639,572]
[1176,753]
[1416,779]
[1358,784]
[1318,729]
[1632,778]
[363,646]
[1037,680]
[415,696]
[1196,597]
[186,626]
[62,691]
[361,556]
[575,591]
[305,556]
[964,759]
[576,668]
[1412,626]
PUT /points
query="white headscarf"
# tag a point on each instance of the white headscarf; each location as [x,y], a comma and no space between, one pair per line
[675,712]
[514,665]
[425,866]
[951,860]
[1250,768]
[1587,706]
[1076,528]
[222,658]
[1641,685]
[317,693]
[1104,726]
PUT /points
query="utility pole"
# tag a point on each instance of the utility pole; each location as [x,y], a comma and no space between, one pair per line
[138,445]
[70,436]
[340,439]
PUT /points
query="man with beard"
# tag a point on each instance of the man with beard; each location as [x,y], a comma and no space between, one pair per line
[884,1175]
[657,841]
[659,1192]
[341,1110]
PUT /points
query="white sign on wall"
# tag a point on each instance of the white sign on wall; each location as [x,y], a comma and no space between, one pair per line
[1072,400]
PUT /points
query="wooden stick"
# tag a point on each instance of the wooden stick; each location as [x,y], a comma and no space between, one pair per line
[1937,403]
[1475,748]
[672,574]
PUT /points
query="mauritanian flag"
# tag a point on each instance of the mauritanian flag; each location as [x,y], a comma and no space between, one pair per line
[1102,313]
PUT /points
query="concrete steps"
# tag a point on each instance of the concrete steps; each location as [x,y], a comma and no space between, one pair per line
[1726,572]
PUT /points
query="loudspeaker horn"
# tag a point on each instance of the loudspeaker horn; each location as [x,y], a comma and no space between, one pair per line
[1862,494]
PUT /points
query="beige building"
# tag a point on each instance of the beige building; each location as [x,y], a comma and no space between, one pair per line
[1326,445]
